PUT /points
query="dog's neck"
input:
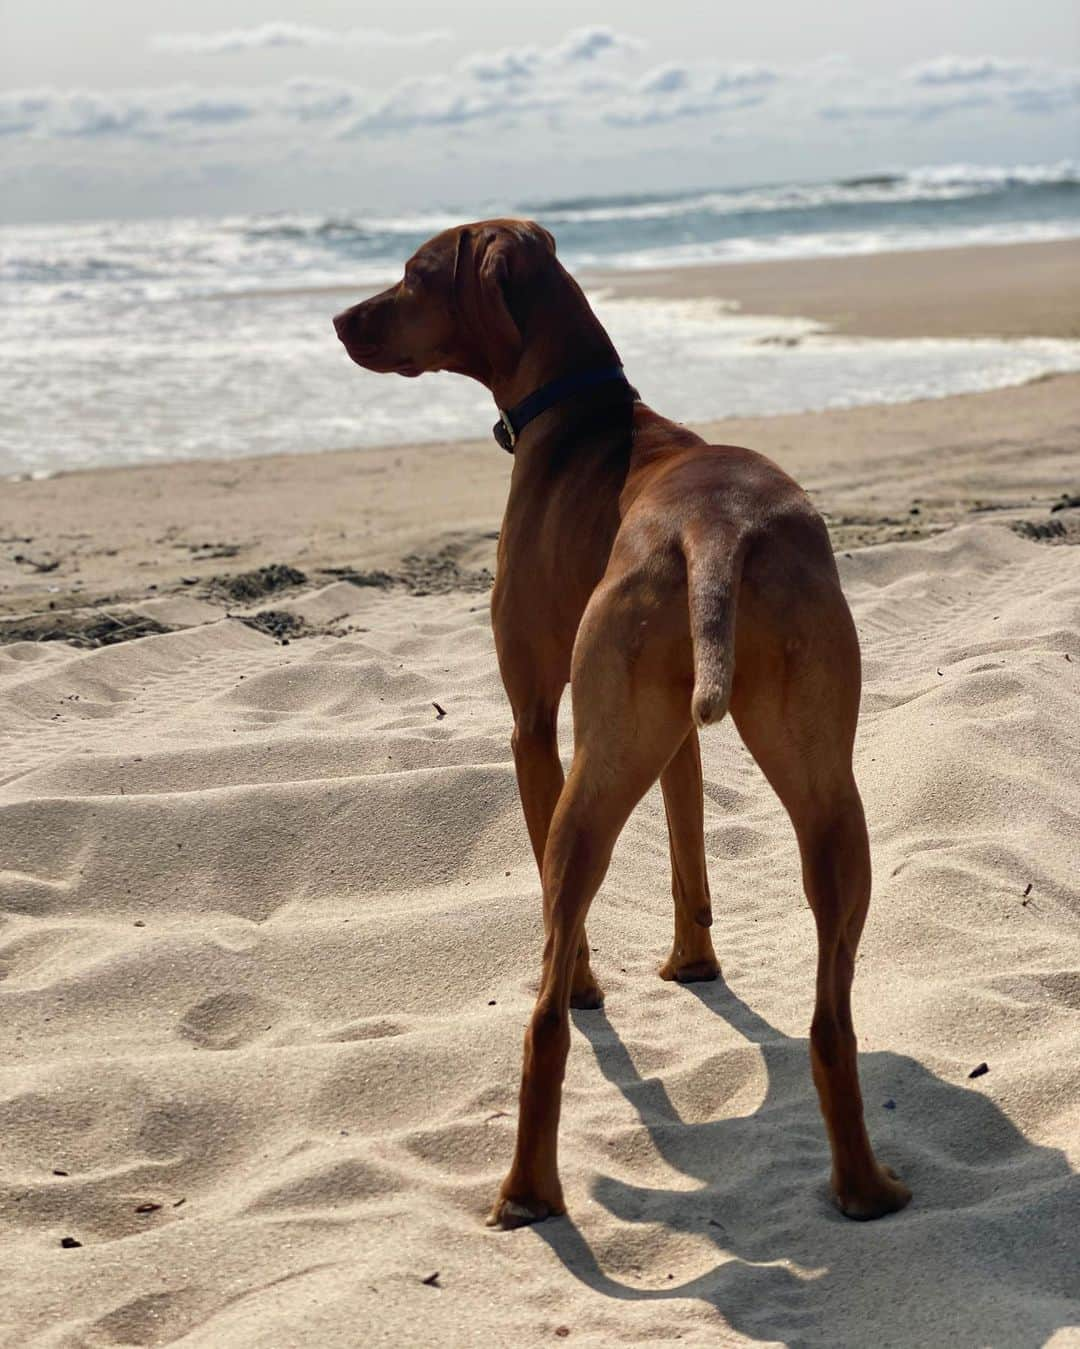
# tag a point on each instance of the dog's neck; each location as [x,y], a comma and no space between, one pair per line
[580,342]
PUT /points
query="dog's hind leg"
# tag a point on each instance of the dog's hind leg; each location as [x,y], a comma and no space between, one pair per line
[692,956]
[795,703]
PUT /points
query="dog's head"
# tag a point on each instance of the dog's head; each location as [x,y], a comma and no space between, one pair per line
[461,305]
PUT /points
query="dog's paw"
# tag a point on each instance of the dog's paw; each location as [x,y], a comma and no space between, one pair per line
[690,971]
[517,1211]
[888,1194]
[588,998]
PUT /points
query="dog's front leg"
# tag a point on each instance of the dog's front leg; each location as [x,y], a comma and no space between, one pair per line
[540,782]
[582,834]
[629,719]
[692,956]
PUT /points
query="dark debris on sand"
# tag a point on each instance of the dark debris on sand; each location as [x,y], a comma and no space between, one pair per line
[381,580]
[437,573]
[246,587]
[1042,531]
[441,572]
[84,628]
[1062,525]
[277,623]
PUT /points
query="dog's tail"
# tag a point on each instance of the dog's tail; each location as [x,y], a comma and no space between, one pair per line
[713,571]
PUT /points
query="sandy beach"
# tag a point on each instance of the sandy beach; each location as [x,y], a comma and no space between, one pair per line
[1023,290]
[270,923]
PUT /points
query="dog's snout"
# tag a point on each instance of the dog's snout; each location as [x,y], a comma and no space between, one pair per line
[354,331]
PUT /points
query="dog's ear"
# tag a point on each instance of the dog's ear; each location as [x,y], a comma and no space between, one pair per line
[545,237]
[482,280]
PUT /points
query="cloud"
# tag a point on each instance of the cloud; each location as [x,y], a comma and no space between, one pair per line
[591,78]
[167,113]
[587,44]
[417,104]
[657,112]
[1026,87]
[268,36]
[745,77]
[210,110]
[22,109]
[312,100]
[668,79]
[140,113]
[1042,97]
[503,67]
[672,93]
[951,86]
[495,87]
[70,113]
[946,70]
[896,107]
[580,47]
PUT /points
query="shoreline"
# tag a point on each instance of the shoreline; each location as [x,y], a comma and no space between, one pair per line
[910,294]
[879,472]
[427,515]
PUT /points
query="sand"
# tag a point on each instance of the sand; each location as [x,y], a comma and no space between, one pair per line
[1020,290]
[270,929]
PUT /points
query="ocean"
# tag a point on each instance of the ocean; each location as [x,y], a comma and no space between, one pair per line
[135,341]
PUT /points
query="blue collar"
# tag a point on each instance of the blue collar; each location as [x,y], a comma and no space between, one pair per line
[512,421]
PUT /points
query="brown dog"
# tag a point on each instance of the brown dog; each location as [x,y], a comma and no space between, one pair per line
[669,581]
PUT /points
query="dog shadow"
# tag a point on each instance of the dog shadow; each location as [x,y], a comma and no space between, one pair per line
[986,1254]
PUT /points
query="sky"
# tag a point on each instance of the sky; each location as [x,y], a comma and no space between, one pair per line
[131,108]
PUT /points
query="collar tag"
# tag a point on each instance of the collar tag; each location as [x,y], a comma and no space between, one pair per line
[504,432]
